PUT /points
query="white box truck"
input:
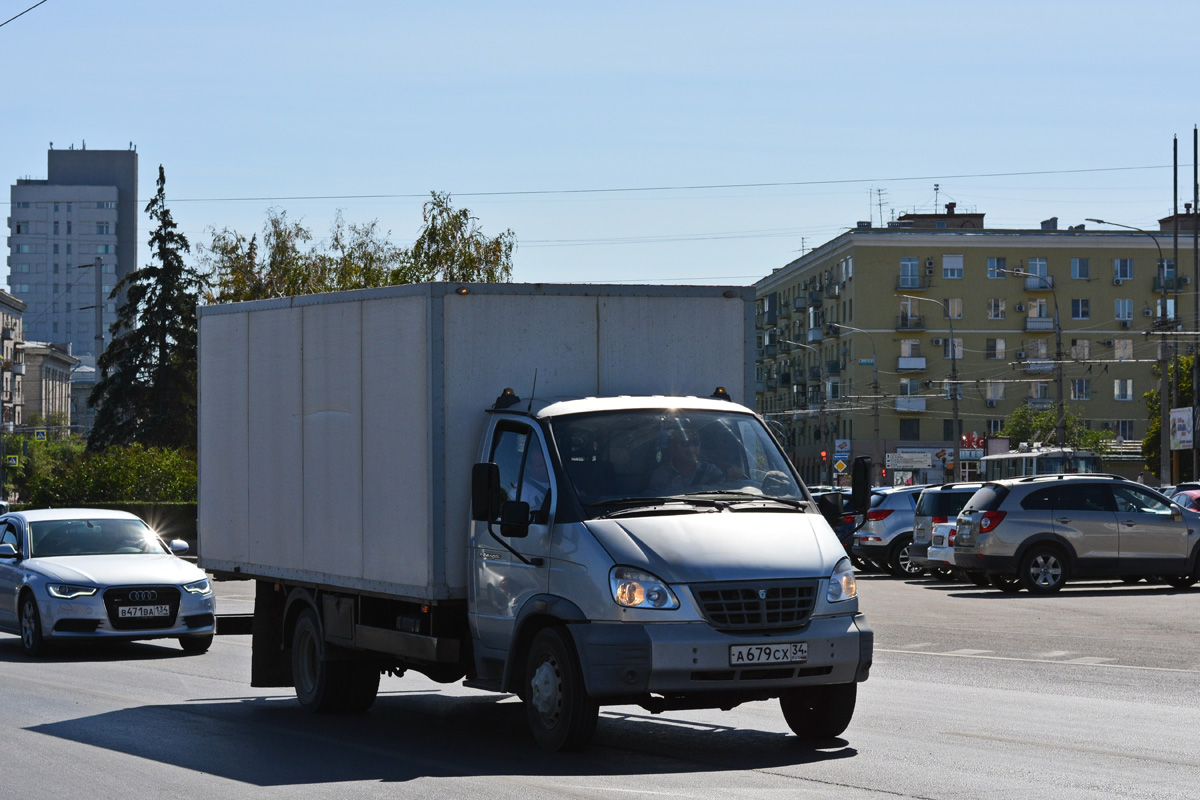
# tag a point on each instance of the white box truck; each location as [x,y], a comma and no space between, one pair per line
[531,488]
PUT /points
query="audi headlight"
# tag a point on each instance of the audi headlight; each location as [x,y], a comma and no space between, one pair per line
[842,585]
[633,588]
[202,586]
[69,591]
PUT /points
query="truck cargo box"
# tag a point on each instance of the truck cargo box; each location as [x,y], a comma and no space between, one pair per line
[338,431]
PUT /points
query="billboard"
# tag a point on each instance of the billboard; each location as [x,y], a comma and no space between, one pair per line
[1181,428]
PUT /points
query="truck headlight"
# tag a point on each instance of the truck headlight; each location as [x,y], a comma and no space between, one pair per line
[633,588]
[69,591]
[842,585]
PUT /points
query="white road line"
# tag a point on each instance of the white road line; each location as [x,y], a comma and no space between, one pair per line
[1035,660]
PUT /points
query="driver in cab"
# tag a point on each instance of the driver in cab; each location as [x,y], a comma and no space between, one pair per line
[682,470]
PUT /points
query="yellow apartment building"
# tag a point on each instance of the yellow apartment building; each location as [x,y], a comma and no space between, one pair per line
[930,295]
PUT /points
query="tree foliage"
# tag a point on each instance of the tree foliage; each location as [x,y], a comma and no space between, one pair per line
[61,472]
[146,391]
[450,247]
[1152,443]
[1025,424]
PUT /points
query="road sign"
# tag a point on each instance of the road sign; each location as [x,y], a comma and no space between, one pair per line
[39,435]
[13,461]
[839,465]
[841,448]
[907,461]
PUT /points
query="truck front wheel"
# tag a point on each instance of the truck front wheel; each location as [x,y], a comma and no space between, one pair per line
[561,715]
[819,712]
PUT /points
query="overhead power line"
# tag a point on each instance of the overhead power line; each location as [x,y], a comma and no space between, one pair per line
[23,13]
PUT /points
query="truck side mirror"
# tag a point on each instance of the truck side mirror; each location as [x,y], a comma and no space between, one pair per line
[860,483]
[830,506]
[485,491]
[514,519]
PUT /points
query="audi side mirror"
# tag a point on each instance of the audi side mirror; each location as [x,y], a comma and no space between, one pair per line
[8,551]
[178,546]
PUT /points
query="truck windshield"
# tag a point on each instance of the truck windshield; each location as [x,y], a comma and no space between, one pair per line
[656,453]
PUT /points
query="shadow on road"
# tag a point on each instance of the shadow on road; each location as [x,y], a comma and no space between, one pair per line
[272,742]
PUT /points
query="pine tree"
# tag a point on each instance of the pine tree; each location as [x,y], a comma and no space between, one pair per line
[146,392]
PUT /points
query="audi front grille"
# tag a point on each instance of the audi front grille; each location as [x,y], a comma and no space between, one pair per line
[757,606]
[116,599]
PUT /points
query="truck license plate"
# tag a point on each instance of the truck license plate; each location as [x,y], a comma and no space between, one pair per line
[144,611]
[742,655]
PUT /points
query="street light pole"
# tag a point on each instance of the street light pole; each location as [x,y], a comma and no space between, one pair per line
[1060,422]
[1164,439]
[820,413]
[874,392]
[957,443]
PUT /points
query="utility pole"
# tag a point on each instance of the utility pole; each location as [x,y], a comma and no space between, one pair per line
[1195,298]
[955,424]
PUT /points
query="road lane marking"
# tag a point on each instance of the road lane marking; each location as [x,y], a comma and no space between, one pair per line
[1035,660]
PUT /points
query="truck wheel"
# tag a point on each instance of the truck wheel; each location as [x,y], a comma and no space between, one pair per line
[561,715]
[819,712]
[360,686]
[310,671]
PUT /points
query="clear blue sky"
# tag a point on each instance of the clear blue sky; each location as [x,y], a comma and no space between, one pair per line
[516,107]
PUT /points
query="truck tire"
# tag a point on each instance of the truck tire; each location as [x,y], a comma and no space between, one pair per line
[324,686]
[819,712]
[360,685]
[561,715]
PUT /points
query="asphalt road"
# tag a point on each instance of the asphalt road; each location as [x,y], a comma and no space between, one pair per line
[1088,694]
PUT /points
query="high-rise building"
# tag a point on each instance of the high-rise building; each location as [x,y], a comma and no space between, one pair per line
[880,329]
[72,236]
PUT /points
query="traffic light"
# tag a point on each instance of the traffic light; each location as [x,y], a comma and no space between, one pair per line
[824,456]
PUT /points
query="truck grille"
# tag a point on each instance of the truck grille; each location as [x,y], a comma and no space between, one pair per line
[765,605]
[115,599]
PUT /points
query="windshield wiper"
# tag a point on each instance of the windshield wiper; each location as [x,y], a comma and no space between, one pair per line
[642,504]
[751,497]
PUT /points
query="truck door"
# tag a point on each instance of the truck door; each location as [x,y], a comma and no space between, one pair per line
[501,581]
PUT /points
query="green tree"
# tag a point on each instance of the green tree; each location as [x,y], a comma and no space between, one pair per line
[1025,424]
[146,390]
[1152,443]
[450,247]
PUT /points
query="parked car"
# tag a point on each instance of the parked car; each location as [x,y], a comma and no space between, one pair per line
[940,554]
[887,534]
[938,505]
[1189,498]
[1039,532]
[89,573]
[839,514]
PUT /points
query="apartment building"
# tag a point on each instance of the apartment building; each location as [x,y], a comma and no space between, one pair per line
[72,236]
[935,306]
[12,363]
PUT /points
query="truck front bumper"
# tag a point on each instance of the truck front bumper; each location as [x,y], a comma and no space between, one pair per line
[629,659]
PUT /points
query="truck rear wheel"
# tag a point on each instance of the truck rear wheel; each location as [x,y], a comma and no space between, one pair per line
[561,715]
[819,712]
[324,686]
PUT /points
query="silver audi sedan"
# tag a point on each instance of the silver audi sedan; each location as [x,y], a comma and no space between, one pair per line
[89,573]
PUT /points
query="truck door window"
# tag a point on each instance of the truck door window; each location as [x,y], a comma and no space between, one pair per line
[523,472]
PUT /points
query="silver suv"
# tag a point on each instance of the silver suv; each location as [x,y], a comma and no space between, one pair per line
[887,534]
[1038,532]
[937,505]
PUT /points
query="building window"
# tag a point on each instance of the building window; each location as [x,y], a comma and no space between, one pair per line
[24,248]
[1123,269]
[68,227]
[995,390]
[1036,348]
[1081,349]
[910,348]
[958,348]
[1123,428]
[1081,389]
[995,426]
[995,267]
[910,387]
[952,267]
[910,430]
[1158,308]
[56,227]
[910,273]
[1037,266]
[102,228]
[953,308]
[1039,390]
[104,249]
[56,248]
[1122,349]
[947,390]
[68,248]
[1080,269]
[1080,308]
[1166,268]
[1123,309]
[995,349]
[995,307]
[1123,389]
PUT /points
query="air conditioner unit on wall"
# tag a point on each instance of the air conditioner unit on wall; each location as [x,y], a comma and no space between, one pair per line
[1107,343]
[1020,355]
[1187,280]
[1125,323]
[1020,307]
[929,263]
[1147,312]
[938,342]
[929,270]
[991,403]
[1116,281]
[1106,425]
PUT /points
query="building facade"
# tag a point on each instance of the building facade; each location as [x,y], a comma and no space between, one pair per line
[882,329]
[72,237]
[47,382]
[12,364]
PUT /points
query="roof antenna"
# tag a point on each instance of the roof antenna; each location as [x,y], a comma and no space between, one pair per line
[529,408]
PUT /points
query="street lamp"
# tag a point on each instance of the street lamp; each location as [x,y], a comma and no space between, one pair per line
[1060,426]
[1165,473]
[957,443]
[836,326]
[821,414]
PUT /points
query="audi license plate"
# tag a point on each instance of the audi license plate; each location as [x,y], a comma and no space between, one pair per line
[144,611]
[742,655]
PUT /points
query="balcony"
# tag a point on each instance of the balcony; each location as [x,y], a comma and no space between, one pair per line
[912,283]
[18,368]
[785,311]
[1172,283]
[815,297]
[910,404]
[814,373]
[1039,323]
[1038,283]
[815,334]
[798,303]
[785,378]
[910,363]
[833,290]
[760,320]
[1039,403]
[770,350]
[760,386]
[909,322]
[1039,365]
[833,329]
